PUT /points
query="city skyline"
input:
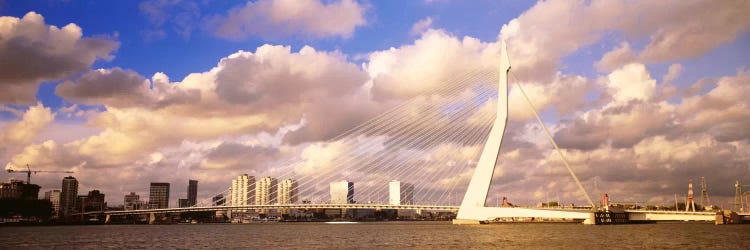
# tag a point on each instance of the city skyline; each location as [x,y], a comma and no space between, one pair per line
[639,95]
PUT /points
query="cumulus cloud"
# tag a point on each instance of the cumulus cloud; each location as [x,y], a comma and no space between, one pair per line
[246,93]
[421,26]
[628,138]
[673,72]
[550,30]
[616,58]
[23,131]
[631,82]
[33,52]
[435,58]
[281,18]
[722,112]
[124,88]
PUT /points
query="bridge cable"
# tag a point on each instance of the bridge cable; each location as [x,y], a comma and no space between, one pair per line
[552,140]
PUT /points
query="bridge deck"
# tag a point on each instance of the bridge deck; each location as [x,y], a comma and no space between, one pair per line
[279,206]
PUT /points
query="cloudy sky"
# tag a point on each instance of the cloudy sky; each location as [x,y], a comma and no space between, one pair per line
[641,95]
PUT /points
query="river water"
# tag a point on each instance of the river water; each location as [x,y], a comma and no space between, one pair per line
[386,235]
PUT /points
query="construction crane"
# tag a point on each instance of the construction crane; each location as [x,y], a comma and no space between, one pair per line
[28,172]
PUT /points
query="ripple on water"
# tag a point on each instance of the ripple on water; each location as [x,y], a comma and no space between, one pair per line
[390,235]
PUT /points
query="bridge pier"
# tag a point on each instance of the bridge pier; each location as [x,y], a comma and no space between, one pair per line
[151,218]
[106,219]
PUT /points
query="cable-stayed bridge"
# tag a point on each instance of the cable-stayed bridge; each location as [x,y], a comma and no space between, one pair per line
[439,148]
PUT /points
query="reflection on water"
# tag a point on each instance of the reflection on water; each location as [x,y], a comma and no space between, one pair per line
[393,235]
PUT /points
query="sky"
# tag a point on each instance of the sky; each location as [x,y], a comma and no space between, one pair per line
[641,95]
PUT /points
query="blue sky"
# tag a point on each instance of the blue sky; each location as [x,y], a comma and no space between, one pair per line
[389,25]
[178,56]
[610,78]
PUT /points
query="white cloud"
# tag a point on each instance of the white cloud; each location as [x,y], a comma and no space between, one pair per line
[631,82]
[616,58]
[434,59]
[550,30]
[673,72]
[22,132]
[421,26]
[33,52]
[281,18]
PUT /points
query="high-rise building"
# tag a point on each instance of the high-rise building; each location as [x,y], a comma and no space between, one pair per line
[133,201]
[11,189]
[54,197]
[400,193]
[96,200]
[68,195]
[242,191]
[265,191]
[192,194]
[16,189]
[287,192]
[93,201]
[158,195]
[342,192]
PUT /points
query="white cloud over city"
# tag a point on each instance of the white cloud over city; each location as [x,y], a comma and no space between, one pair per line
[639,132]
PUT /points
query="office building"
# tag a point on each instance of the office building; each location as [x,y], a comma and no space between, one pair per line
[96,200]
[287,192]
[158,195]
[265,191]
[342,192]
[68,195]
[242,191]
[192,193]
[16,189]
[400,193]
[54,197]
[93,201]
[133,202]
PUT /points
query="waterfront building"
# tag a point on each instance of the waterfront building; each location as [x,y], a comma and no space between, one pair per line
[133,202]
[93,201]
[158,195]
[400,193]
[265,192]
[287,193]
[242,191]
[342,192]
[96,200]
[16,189]
[68,195]
[192,194]
[54,197]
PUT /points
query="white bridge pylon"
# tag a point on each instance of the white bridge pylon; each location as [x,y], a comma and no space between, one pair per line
[472,209]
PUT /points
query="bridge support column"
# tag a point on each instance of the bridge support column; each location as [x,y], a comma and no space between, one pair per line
[473,204]
[106,219]
[151,218]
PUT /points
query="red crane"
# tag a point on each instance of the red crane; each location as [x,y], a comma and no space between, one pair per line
[28,172]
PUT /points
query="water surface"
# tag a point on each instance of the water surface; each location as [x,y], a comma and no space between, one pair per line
[387,235]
